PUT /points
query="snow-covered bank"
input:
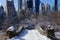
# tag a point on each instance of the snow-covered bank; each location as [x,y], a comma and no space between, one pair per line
[30,35]
[57,34]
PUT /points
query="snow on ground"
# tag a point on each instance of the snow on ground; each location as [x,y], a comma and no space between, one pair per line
[30,35]
[57,34]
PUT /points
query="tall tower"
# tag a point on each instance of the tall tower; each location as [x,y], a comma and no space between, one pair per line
[24,4]
[2,15]
[10,9]
[29,3]
[19,5]
[37,3]
[42,7]
[47,7]
[10,13]
[56,6]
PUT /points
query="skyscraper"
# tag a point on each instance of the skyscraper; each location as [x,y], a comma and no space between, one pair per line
[1,9]
[10,13]
[37,2]
[24,4]
[19,5]
[42,8]
[56,5]
[10,9]
[2,15]
[29,3]
[47,7]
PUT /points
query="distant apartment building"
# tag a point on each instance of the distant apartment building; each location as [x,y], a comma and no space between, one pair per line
[37,3]
[29,3]
[30,6]
[11,13]
[47,7]
[10,9]
[58,5]
[42,8]
[21,4]
[2,15]
[2,12]
[24,4]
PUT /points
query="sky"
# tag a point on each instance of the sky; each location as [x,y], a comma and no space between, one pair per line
[59,5]
[51,2]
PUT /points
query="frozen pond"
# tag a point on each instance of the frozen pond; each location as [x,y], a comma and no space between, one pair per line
[30,35]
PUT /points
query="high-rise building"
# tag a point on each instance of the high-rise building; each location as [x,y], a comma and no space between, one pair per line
[42,8]
[29,6]
[37,2]
[1,9]
[29,3]
[11,13]
[56,5]
[10,9]
[2,12]
[47,7]
[2,15]
[24,4]
[21,5]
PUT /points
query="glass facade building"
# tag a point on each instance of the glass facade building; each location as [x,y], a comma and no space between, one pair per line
[20,4]
[37,2]
[29,3]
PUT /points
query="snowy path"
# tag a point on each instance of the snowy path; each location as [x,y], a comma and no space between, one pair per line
[30,35]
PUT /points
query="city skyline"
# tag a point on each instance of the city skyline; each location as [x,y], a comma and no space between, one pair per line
[2,2]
